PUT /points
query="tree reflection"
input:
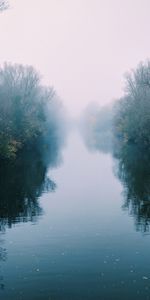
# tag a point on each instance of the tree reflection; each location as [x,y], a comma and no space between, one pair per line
[3,257]
[133,170]
[22,182]
[134,173]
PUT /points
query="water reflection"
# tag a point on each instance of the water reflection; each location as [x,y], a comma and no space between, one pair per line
[3,257]
[134,173]
[3,253]
[133,170]
[22,182]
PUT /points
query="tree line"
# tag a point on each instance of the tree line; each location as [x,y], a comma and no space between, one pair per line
[132,116]
[29,112]
[128,119]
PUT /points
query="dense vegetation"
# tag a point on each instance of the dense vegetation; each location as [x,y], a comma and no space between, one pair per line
[132,118]
[29,112]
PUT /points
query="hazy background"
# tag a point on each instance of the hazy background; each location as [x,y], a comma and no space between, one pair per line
[82,47]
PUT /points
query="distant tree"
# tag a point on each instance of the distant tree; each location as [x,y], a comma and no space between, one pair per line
[96,127]
[3,5]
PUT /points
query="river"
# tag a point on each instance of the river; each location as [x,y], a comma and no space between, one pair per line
[76,241]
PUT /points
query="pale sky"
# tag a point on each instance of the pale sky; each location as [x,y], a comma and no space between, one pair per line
[81,47]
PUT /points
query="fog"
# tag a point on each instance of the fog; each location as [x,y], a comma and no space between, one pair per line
[82,47]
[96,127]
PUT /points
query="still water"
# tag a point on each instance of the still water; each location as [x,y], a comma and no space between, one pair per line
[65,234]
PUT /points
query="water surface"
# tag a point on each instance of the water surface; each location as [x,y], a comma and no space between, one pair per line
[65,235]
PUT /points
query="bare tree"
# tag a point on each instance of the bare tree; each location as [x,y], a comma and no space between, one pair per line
[3,5]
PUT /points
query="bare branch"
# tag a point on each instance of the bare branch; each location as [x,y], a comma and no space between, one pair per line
[3,5]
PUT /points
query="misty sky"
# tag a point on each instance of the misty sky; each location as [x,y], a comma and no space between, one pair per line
[81,47]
